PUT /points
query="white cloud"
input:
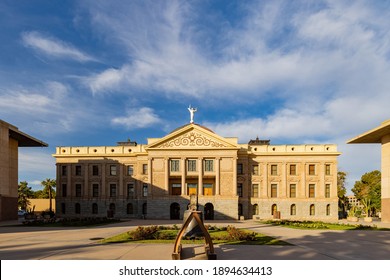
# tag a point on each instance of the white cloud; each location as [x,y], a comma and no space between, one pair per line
[137,118]
[53,47]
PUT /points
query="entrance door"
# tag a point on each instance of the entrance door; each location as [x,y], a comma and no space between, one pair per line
[175,211]
[209,211]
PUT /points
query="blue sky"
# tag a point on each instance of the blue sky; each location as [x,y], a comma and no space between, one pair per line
[79,73]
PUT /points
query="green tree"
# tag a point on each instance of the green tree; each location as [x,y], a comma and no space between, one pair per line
[24,193]
[48,190]
[341,190]
[369,188]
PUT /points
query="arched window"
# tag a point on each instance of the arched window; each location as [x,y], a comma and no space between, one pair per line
[293,210]
[144,208]
[255,209]
[328,210]
[274,209]
[94,208]
[130,208]
[240,211]
[77,208]
[312,210]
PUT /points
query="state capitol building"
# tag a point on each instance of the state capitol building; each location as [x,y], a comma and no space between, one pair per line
[256,180]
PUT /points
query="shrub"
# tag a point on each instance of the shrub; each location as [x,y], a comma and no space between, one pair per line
[142,233]
[236,234]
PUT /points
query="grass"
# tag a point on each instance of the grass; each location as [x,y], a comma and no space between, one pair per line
[218,235]
[321,225]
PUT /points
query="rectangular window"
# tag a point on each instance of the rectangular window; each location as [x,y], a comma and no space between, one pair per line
[113,170]
[274,169]
[130,190]
[64,170]
[239,189]
[145,190]
[191,165]
[255,169]
[130,170]
[95,170]
[255,190]
[208,165]
[112,190]
[78,190]
[293,169]
[95,190]
[78,170]
[240,168]
[192,188]
[327,190]
[274,190]
[312,188]
[144,169]
[176,189]
[312,169]
[207,189]
[64,190]
[293,190]
[327,169]
[175,165]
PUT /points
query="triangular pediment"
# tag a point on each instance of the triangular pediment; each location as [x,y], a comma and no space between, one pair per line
[192,136]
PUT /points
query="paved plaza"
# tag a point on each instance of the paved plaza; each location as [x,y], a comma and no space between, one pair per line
[44,243]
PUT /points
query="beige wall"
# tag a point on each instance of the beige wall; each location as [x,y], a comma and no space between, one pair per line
[41,204]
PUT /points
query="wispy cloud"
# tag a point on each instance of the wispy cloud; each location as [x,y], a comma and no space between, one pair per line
[54,47]
[137,118]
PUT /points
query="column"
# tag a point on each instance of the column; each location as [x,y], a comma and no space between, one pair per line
[235,176]
[283,186]
[183,176]
[150,161]
[103,183]
[69,186]
[266,183]
[120,180]
[166,175]
[200,176]
[86,185]
[217,176]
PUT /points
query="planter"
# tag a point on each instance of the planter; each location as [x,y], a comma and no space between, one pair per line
[368,219]
[352,219]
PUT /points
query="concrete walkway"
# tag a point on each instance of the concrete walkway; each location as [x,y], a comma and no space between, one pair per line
[25,243]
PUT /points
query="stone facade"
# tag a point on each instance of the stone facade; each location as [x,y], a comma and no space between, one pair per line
[232,180]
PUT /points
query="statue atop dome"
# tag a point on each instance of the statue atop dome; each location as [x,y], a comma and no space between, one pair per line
[192,111]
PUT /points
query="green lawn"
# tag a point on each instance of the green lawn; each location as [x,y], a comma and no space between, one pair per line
[321,225]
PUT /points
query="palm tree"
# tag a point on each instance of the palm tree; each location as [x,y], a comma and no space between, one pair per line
[24,193]
[49,185]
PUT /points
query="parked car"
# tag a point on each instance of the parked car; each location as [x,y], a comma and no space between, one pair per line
[21,213]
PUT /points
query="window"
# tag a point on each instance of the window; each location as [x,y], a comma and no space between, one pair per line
[95,170]
[240,209]
[274,190]
[293,210]
[239,189]
[130,209]
[78,190]
[274,209]
[175,165]
[64,170]
[112,190]
[191,165]
[130,170]
[255,209]
[312,210]
[63,208]
[255,169]
[293,190]
[145,190]
[77,208]
[327,190]
[208,165]
[130,190]
[328,210]
[207,189]
[192,188]
[312,188]
[144,169]
[176,189]
[293,169]
[64,190]
[113,170]
[240,169]
[255,190]
[274,169]
[94,208]
[95,190]
[112,208]
[312,169]
[78,170]
[327,169]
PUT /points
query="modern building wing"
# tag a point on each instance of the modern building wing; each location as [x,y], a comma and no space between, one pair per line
[10,139]
[231,180]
